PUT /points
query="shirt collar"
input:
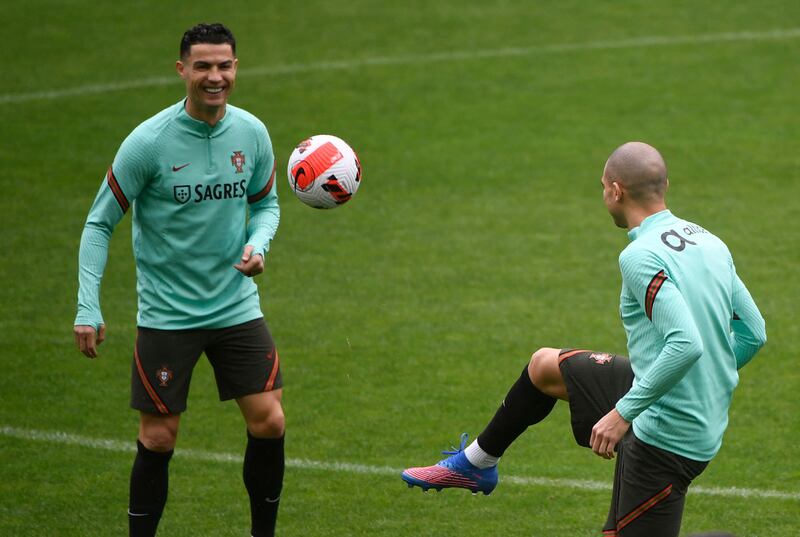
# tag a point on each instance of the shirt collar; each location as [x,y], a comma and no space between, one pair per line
[197,125]
[649,222]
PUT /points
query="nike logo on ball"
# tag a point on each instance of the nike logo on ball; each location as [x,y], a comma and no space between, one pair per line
[177,168]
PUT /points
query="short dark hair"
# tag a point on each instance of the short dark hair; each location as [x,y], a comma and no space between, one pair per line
[215,33]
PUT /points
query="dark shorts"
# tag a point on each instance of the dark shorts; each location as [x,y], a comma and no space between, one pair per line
[595,382]
[650,484]
[244,359]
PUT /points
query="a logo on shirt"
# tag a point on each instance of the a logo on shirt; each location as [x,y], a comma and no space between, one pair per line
[182,193]
[670,237]
[163,376]
[601,358]
[237,159]
[179,168]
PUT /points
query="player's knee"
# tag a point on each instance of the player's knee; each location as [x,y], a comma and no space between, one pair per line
[540,365]
[544,371]
[270,424]
[158,438]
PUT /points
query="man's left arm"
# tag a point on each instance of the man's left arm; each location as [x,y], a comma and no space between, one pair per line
[264,217]
[748,330]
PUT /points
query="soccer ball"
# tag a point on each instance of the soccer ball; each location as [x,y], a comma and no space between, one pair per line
[324,172]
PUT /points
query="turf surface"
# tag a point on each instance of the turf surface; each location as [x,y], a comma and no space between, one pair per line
[478,235]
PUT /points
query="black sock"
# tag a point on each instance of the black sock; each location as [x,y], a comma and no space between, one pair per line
[148,492]
[263,478]
[523,406]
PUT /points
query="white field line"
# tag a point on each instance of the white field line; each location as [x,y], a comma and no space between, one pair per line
[58,437]
[415,59]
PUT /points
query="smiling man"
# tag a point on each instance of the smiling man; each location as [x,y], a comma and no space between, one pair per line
[200,177]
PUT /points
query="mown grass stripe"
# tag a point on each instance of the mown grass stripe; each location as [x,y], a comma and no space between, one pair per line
[60,437]
[412,59]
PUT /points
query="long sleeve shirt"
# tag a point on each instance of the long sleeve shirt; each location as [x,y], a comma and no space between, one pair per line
[691,324]
[199,195]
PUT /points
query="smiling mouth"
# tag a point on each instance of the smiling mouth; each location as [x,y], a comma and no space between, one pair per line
[213,91]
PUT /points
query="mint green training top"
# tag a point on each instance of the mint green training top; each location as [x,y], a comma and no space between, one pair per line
[190,186]
[691,324]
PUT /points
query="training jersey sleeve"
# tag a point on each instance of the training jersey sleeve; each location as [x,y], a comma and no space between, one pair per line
[644,275]
[748,329]
[262,197]
[129,173]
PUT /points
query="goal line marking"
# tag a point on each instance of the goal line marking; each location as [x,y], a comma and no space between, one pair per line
[412,59]
[59,437]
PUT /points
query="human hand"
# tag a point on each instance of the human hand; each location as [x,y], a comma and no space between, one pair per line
[250,265]
[607,433]
[87,338]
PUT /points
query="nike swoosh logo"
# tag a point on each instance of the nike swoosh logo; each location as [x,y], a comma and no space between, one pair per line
[137,514]
[178,168]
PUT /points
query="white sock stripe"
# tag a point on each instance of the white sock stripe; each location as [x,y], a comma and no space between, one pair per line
[419,59]
[59,437]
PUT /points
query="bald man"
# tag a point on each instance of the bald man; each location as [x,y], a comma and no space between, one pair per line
[690,324]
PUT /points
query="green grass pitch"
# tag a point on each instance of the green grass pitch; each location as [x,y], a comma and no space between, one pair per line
[477,236]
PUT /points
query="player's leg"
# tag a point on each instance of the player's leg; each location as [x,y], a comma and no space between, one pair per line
[149,482]
[247,369]
[263,414]
[264,458]
[594,382]
[530,400]
[161,371]
[650,486]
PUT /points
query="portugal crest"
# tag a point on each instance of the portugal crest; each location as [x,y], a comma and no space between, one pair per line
[237,159]
[182,193]
[601,358]
[163,376]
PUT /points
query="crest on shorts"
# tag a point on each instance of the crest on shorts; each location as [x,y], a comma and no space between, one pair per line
[182,193]
[163,376]
[601,358]
[237,159]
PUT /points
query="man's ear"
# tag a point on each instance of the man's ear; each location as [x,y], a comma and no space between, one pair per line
[616,188]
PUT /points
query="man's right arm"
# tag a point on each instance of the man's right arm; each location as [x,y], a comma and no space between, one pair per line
[104,215]
[132,168]
[748,330]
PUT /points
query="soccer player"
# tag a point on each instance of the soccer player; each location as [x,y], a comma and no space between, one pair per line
[200,177]
[690,324]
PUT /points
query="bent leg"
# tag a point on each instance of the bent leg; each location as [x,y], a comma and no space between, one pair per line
[529,401]
[149,482]
[264,458]
[545,373]
[594,381]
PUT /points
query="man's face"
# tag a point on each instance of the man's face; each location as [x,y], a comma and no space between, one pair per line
[611,197]
[209,71]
